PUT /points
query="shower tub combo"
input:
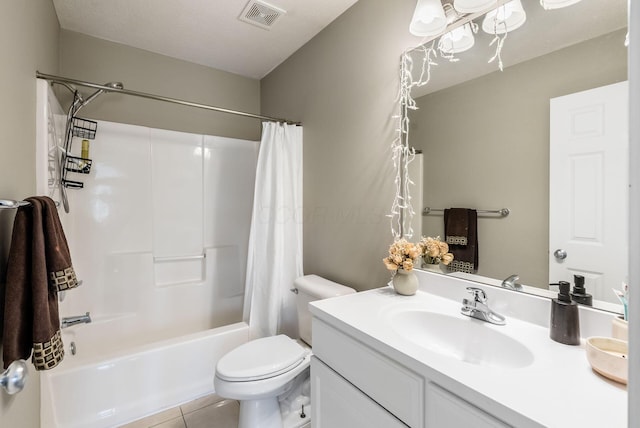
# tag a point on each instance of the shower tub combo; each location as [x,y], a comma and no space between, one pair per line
[158,235]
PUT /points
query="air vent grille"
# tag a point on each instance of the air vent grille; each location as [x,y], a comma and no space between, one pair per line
[261,14]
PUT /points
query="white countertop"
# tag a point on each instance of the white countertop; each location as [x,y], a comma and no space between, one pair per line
[558,389]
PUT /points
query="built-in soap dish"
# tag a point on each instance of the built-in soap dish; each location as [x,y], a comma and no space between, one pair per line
[609,357]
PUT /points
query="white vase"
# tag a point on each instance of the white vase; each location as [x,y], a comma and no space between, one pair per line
[435,267]
[405,282]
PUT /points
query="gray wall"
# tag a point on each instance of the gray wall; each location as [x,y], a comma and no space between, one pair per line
[28,41]
[486,146]
[31,40]
[342,85]
[99,61]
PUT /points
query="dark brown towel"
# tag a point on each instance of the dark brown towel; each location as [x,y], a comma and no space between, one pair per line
[39,266]
[458,223]
[457,226]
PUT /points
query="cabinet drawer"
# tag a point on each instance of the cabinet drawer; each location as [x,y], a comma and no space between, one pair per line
[394,387]
[445,409]
[338,404]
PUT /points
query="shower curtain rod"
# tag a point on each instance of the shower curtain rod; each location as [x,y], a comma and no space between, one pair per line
[67,81]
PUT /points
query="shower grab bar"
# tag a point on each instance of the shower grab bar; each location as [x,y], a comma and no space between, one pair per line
[14,377]
[502,211]
[178,258]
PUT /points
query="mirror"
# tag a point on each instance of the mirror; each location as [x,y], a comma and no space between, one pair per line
[484,134]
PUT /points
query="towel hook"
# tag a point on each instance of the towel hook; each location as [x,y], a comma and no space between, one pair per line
[14,377]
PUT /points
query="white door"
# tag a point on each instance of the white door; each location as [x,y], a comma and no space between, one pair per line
[588,194]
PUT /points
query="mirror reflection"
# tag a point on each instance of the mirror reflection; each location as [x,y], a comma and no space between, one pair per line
[486,138]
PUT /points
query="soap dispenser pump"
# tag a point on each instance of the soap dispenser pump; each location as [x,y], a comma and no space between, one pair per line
[579,293]
[565,318]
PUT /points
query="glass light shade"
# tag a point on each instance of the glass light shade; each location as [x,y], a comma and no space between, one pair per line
[428,19]
[557,4]
[471,6]
[458,40]
[505,18]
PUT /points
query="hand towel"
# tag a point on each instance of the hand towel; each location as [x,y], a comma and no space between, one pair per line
[39,266]
[461,225]
[457,226]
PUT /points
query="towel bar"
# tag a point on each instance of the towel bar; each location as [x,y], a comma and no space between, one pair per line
[502,211]
[9,203]
[14,377]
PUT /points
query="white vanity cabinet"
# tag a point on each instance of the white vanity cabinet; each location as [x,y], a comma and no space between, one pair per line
[356,386]
[339,404]
[421,360]
[444,409]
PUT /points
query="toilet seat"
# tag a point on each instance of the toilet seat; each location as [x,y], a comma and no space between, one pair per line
[261,359]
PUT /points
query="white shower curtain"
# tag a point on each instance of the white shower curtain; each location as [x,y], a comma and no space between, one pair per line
[275,243]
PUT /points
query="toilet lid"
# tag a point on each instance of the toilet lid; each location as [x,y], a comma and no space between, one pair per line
[261,359]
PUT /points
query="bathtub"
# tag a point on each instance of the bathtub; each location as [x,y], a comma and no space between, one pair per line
[99,391]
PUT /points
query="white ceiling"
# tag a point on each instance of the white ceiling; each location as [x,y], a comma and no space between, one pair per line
[208,32]
[205,32]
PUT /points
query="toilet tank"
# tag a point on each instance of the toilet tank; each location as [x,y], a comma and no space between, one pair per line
[310,288]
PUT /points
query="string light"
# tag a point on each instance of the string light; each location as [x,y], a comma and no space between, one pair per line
[498,40]
[402,155]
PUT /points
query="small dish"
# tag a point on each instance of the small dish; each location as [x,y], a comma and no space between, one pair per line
[608,357]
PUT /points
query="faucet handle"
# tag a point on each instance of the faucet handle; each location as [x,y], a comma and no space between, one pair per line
[478,294]
[511,282]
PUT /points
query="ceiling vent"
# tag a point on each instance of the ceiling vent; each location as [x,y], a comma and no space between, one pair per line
[261,14]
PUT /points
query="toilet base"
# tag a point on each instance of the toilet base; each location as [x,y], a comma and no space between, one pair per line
[295,420]
[295,404]
[264,413]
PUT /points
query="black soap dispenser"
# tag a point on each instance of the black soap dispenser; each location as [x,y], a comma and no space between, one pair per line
[579,294]
[565,319]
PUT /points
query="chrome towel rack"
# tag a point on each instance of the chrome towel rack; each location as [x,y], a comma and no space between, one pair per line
[14,377]
[11,204]
[503,212]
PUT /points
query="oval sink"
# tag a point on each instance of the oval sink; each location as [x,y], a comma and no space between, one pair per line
[467,340]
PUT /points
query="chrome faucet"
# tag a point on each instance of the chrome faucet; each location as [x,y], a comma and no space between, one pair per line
[478,308]
[511,283]
[80,319]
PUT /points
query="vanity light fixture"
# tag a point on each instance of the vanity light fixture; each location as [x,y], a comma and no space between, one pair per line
[459,39]
[471,6]
[505,18]
[557,4]
[428,19]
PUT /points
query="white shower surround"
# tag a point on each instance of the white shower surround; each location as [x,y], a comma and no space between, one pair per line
[152,196]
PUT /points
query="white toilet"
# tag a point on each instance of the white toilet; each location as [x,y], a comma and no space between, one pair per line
[259,372]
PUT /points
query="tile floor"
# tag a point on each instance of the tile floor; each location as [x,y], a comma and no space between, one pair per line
[207,412]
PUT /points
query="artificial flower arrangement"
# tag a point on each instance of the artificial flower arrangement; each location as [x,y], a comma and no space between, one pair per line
[435,251]
[402,255]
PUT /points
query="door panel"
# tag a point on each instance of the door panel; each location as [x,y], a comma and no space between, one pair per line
[588,194]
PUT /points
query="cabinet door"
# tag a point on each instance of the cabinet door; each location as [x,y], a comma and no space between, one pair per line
[338,404]
[445,409]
